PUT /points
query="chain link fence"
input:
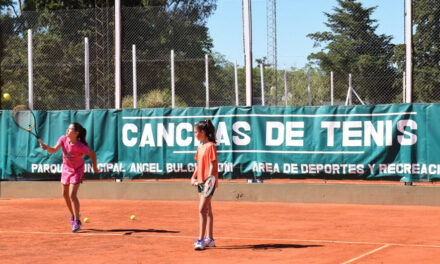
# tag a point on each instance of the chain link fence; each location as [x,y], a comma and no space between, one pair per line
[352,56]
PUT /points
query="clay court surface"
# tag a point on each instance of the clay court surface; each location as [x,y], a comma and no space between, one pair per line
[38,231]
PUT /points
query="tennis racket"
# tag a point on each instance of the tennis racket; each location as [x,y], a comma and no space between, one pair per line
[208,186]
[24,118]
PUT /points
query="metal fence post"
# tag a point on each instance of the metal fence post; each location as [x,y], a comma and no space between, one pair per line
[262,83]
[247,31]
[134,77]
[117,54]
[408,54]
[285,85]
[87,72]
[308,89]
[408,50]
[331,88]
[207,79]
[404,88]
[350,97]
[30,71]
[173,88]
[236,83]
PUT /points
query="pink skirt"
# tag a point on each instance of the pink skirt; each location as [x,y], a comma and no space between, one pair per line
[71,175]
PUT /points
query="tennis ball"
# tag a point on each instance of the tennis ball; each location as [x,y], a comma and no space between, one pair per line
[132,217]
[6,96]
[86,220]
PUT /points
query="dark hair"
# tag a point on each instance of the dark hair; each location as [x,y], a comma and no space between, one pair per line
[82,133]
[208,127]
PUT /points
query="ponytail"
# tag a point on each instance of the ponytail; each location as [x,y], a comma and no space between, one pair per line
[208,127]
[82,133]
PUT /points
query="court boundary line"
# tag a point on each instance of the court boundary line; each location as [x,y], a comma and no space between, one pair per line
[366,254]
[222,238]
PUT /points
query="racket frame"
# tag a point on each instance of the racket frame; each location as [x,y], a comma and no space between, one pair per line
[204,186]
[25,108]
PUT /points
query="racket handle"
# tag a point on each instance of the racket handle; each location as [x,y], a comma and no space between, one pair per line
[42,145]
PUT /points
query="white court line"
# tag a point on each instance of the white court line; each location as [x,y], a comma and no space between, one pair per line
[217,237]
[366,254]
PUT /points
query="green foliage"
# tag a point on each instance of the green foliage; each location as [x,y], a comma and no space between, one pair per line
[32,5]
[352,46]
[153,99]
[426,50]
[297,84]
[59,28]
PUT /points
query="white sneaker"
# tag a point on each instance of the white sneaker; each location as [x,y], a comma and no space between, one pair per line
[199,245]
[208,242]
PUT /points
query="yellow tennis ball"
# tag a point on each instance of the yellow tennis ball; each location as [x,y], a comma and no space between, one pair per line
[132,217]
[6,96]
[86,220]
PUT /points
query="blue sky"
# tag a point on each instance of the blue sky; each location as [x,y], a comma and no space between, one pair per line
[295,19]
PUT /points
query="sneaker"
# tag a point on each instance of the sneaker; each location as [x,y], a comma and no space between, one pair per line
[199,245]
[208,242]
[76,226]
[72,219]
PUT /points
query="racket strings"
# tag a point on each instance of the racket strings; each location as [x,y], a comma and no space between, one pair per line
[208,185]
[24,119]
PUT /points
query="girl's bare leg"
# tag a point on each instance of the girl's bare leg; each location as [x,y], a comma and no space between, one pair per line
[203,213]
[210,220]
[67,198]
[74,198]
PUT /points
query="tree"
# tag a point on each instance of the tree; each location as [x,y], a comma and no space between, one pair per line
[352,46]
[5,31]
[155,26]
[153,99]
[175,25]
[35,5]
[427,50]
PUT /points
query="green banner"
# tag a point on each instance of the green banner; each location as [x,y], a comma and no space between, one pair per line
[396,140]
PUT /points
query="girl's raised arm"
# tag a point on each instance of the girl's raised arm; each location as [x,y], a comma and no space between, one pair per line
[49,149]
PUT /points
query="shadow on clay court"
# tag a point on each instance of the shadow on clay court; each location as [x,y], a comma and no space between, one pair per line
[267,246]
[126,232]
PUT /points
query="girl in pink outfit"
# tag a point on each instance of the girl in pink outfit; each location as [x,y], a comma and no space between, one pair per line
[74,147]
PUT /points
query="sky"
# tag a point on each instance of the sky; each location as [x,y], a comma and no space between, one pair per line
[295,19]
